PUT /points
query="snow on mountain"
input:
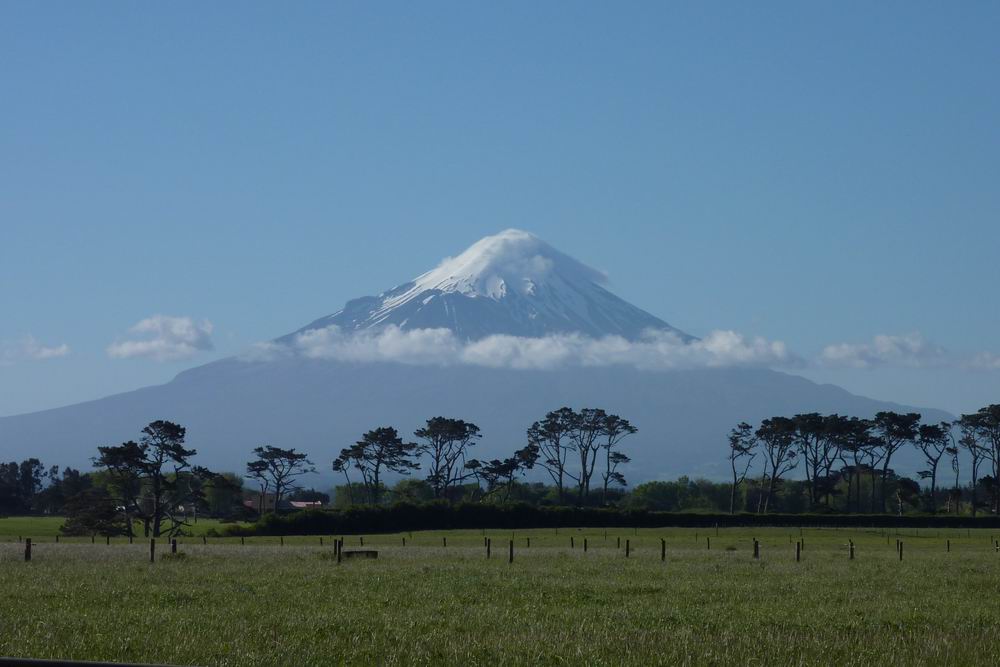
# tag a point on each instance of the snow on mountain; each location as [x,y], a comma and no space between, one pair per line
[511,283]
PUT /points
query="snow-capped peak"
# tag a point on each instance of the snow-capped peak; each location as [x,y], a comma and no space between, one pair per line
[510,283]
[511,260]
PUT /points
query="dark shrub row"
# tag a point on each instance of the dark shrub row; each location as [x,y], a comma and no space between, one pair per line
[440,516]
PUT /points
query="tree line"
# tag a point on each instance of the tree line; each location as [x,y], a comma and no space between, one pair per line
[852,459]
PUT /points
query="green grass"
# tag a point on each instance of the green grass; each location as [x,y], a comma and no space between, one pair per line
[45,527]
[265,604]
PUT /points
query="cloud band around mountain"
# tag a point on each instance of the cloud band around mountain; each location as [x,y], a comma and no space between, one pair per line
[654,351]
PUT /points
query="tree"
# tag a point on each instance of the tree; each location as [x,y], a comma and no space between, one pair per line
[892,431]
[499,475]
[777,437]
[985,424]
[152,479]
[93,512]
[969,428]
[380,450]
[614,430]
[588,426]
[742,443]
[277,468]
[446,442]
[934,440]
[551,437]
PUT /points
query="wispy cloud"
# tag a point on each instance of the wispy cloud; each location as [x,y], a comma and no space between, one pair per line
[984,361]
[656,350]
[164,338]
[908,350]
[30,349]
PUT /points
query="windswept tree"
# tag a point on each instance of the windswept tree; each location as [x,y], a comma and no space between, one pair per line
[934,441]
[499,475]
[970,442]
[446,443]
[379,451]
[276,469]
[152,479]
[819,440]
[985,423]
[742,451]
[892,431]
[615,429]
[588,427]
[551,437]
[777,439]
[858,443]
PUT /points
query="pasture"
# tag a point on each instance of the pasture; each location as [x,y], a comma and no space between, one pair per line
[438,599]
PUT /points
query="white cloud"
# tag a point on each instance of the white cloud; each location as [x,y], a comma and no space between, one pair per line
[655,350]
[30,349]
[909,350]
[985,361]
[165,338]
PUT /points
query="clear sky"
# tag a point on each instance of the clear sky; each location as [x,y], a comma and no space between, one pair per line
[818,173]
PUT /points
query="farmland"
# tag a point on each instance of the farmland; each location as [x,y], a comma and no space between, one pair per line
[266,603]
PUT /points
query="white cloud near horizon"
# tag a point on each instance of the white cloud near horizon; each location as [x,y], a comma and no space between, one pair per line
[908,350]
[655,350]
[984,361]
[164,338]
[30,349]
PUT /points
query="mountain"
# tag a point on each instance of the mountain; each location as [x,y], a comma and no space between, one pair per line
[512,284]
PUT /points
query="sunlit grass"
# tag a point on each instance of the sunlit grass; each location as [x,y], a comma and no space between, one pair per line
[266,604]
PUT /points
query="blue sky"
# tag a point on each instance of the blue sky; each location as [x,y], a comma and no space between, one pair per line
[814,173]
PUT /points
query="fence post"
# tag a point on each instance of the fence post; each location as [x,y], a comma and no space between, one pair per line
[488,547]
[129,539]
[663,549]
[756,549]
[585,545]
[404,541]
[572,544]
[444,541]
[527,541]
[948,546]
[510,555]
[173,546]
[204,540]
[282,538]
[626,548]
[152,550]
[362,538]
[107,540]
[901,550]
[27,549]
[851,549]
[57,539]
[340,548]
[619,542]
[798,551]
[242,541]
[91,538]
[708,543]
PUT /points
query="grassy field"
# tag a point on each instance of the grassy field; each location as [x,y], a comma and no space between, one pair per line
[265,604]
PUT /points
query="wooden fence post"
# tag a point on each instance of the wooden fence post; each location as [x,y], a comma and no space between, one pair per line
[708,543]
[362,538]
[204,540]
[27,550]
[173,546]
[851,549]
[91,538]
[57,539]
[107,540]
[510,555]
[340,549]
[489,547]
[404,541]
[152,550]
[282,538]
[663,549]
[527,542]
[572,544]
[444,541]
[756,549]
[619,542]
[948,546]
[585,545]
[798,551]
[242,541]
[626,548]
[900,550]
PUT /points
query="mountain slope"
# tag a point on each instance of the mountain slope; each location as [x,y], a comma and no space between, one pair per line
[512,283]
[232,406]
